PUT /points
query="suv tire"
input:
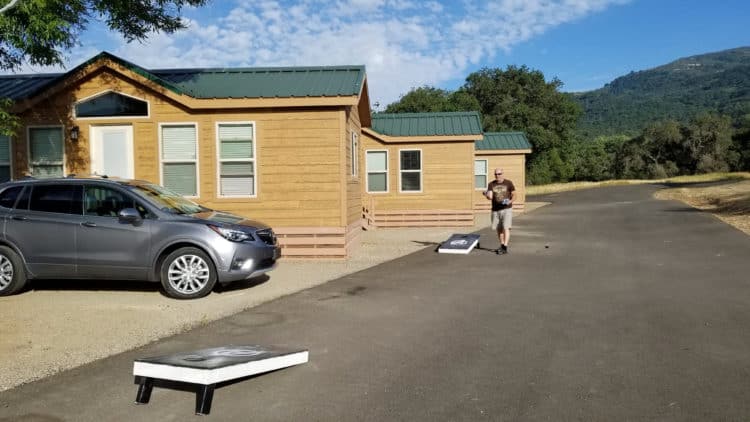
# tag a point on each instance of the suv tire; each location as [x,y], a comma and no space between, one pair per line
[12,272]
[188,273]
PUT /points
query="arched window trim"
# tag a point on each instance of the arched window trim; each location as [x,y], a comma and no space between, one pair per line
[105,92]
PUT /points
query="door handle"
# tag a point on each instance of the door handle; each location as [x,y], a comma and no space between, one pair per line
[88,224]
[19,218]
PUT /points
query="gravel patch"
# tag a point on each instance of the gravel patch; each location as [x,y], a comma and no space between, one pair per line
[59,325]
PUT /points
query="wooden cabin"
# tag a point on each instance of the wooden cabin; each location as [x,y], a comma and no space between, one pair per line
[417,169]
[273,144]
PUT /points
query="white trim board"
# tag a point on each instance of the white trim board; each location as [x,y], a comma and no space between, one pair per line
[195,375]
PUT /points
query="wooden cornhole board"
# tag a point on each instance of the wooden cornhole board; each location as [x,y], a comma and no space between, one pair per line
[208,367]
[459,243]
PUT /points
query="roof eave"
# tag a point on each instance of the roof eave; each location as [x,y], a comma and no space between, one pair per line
[421,138]
[502,151]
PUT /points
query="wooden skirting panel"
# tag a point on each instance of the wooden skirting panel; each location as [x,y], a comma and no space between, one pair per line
[318,242]
[422,218]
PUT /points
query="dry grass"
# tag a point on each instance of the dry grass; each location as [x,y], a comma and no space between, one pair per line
[564,187]
[728,201]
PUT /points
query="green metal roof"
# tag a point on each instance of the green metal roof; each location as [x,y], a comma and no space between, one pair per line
[502,140]
[272,82]
[428,124]
[324,81]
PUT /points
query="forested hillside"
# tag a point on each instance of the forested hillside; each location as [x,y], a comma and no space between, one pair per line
[716,82]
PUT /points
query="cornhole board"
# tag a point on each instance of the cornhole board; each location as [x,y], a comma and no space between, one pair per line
[459,243]
[208,367]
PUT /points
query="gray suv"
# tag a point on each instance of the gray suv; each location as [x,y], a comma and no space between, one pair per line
[118,229]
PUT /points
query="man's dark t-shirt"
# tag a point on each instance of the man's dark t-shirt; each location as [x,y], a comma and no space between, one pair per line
[500,191]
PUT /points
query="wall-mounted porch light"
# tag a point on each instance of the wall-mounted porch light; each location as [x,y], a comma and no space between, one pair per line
[74,133]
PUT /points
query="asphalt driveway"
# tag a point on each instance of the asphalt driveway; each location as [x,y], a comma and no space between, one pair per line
[611,306]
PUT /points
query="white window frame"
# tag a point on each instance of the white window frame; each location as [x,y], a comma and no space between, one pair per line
[107,91]
[238,160]
[197,156]
[355,155]
[28,146]
[367,175]
[486,173]
[10,157]
[400,171]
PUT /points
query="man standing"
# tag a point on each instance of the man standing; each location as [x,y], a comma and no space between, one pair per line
[502,193]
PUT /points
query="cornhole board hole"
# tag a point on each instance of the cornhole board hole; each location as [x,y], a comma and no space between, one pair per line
[459,243]
[208,367]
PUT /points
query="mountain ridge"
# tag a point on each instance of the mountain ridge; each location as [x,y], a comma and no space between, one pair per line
[714,82]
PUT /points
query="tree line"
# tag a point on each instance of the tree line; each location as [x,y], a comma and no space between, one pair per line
[521,99]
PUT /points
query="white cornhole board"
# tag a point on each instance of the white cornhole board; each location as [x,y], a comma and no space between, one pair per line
[459,243]
[208,367]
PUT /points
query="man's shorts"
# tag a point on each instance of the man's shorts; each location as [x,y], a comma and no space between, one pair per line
[502,219]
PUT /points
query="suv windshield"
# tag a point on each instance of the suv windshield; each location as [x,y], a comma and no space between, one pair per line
[167,200]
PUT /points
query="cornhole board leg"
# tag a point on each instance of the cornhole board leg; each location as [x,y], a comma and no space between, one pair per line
[203,396]
[203,399]
[144,390]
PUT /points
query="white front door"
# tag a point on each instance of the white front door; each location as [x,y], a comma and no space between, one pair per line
[112,151]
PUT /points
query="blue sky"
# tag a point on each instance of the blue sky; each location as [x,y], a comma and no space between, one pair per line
[410,43]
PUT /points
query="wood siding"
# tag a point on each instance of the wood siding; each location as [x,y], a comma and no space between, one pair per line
[514,167]
[446,195]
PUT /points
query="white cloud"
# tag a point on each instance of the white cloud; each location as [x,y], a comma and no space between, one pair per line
[403,43]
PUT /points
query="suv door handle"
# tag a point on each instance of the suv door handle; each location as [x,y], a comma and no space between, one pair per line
[88,224]
[19,218]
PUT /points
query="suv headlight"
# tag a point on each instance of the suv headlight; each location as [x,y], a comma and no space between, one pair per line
[231,234]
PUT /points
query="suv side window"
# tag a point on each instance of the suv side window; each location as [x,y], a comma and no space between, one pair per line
[23,201]
[106,202]
[8,196]
[62,198]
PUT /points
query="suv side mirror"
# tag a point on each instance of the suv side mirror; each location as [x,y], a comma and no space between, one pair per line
[130,216]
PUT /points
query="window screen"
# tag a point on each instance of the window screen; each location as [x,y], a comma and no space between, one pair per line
[179,159]
[377,171]
[480,174]
[236,159]
[46,152]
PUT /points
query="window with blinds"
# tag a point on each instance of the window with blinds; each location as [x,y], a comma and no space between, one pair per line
[46,155]
[179,159]
[377,171]
[236,159]
[5,169]
[480,174]
[410,163]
